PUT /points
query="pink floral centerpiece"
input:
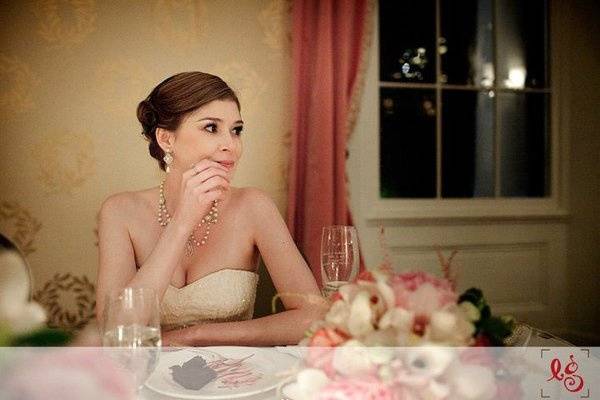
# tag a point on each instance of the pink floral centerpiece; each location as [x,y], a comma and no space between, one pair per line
[404,335]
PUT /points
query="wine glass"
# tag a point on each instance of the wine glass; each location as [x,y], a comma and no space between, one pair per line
[131,329]
[339,257]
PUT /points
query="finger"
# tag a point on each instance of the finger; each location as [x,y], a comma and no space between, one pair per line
[200,166]
[205,164]
[211,192]
[206,174]
[213,183]
[198,185]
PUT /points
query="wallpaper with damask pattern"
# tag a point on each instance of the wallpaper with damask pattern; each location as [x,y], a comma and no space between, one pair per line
[71,75]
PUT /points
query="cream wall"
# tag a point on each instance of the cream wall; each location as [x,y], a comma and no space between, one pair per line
[71,75]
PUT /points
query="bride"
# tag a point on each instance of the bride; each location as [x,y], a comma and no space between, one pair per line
[195,239]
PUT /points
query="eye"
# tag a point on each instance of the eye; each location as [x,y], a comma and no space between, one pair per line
[238,130]
[212,128]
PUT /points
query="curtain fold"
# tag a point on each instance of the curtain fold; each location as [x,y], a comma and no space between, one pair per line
[328,50]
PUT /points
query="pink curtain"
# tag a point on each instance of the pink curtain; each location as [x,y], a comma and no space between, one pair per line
[327,54]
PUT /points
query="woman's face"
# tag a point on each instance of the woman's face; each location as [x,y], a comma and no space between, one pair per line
[212,131]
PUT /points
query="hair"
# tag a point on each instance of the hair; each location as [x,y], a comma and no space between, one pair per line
[173,99]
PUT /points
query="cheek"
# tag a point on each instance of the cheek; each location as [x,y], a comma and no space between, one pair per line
[192,151]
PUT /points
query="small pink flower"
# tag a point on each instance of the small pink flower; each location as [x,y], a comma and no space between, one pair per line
[412,280]
[320,350]
[422,292]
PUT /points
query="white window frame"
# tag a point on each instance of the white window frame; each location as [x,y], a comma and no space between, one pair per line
[373,207]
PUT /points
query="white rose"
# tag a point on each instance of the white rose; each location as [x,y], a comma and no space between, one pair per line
[470,311]
[472,382]
[338,313]
[16,311]
[308,383]
[398,318]
[451,327]
[352,359]
[428,361]
[360,321]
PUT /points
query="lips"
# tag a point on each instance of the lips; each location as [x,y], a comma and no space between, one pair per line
[227,164]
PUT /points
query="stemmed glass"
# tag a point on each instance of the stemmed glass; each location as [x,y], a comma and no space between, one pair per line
[339,257]
[131,327]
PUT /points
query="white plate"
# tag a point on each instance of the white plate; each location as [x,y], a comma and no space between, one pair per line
[263,369]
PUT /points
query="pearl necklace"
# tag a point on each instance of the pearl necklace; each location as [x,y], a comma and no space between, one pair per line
[164,218]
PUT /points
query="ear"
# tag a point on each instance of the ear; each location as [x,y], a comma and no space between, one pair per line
[165,139]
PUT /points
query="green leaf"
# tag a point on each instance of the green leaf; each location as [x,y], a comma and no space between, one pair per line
[486,312]
[472,295]
[43,337]
[497,329]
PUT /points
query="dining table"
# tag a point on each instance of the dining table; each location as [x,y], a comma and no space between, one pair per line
[272,367]
[278,367]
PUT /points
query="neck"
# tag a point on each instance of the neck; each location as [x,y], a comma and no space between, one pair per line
[172,191]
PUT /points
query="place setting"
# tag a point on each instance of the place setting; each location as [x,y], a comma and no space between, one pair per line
[132,337]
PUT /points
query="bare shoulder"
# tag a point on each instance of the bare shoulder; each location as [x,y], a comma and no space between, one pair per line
[256,200]
[125,203]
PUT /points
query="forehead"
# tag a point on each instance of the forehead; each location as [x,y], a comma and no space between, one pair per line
[227,110]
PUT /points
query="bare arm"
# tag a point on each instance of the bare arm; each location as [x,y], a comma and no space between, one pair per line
[117,266]
[292,279]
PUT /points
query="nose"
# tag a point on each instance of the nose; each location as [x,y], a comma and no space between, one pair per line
[226,143]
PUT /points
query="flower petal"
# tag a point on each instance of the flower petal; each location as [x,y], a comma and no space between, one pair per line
[361,316]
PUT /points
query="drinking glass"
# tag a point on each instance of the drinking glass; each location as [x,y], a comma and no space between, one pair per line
[131,329]
[339,257]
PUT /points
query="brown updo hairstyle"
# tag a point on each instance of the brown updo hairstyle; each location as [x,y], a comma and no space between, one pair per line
[175,97]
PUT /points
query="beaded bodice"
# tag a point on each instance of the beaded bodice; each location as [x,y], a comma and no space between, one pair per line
[224,295]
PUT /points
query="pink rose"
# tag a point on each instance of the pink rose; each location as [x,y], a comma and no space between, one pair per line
[421,292]
[412,280]
[320,350]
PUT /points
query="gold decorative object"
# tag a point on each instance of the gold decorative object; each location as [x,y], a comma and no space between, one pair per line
[65,161]
[69,301]
[179,25]
[243,78]
[119,84]
[276,22]
[18,85]
[65,23]
[18,224]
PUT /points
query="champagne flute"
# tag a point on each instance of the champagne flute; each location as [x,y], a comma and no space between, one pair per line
[339,257]
[131,329]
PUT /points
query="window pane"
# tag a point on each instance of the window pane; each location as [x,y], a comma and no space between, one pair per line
[466,45]
[407,40]
[467,144]
[522,46]
[407,143]
[524,147]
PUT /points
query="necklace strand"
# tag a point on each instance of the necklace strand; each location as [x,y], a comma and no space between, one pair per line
[193,241]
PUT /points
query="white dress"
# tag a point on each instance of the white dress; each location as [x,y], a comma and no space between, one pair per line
[224,295]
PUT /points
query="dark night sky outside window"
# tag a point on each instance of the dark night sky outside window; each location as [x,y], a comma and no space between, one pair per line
[464,99]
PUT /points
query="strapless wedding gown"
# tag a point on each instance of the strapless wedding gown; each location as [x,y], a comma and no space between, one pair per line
[224,295]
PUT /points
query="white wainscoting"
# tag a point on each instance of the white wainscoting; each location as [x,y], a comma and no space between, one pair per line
[514,277]
[520,267]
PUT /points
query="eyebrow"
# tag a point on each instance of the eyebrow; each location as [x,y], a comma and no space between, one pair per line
[239,121]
